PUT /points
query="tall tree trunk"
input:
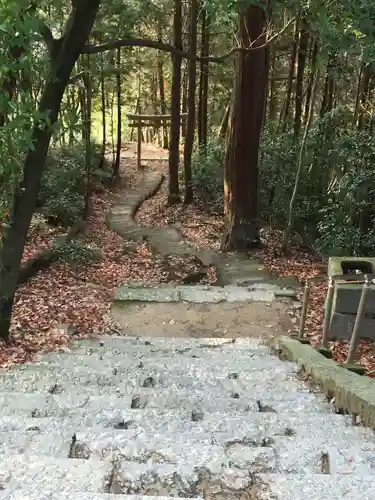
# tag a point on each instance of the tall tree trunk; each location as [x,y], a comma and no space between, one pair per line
[174,145]
[203,82]
[190,126]
[13,238]
[241,169]
[302,49]
[116,167]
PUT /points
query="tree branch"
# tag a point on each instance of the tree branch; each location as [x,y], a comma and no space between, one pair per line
[166,47]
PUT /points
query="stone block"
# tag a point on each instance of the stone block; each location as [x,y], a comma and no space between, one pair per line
[42,474]
[316,487]
[341,327]
[338,265]
[124,293]
[346,298]
[200,295]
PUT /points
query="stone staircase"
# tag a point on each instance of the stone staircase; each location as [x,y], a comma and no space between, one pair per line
[125,418]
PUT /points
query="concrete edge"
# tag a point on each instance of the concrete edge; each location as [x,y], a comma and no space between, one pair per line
[352,392]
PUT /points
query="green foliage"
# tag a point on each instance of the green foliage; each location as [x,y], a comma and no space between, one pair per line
[61,194]
[207,166]
[336,196]
[76,254]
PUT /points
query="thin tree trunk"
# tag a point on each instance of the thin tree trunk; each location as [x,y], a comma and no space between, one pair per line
[358,95]
[116,168]
[87,127]
[272,103]
[302,49]
[203,82]
[224,125]
[364,95]
[113,130]
[190,127]
[327,101]
[308,103]
[185,85]
[103,108]
[292,65]
[163,106]
[73,110]
[174,145]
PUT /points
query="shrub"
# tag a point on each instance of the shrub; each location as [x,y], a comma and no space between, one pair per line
[61,195]
[207,166]
[335,205]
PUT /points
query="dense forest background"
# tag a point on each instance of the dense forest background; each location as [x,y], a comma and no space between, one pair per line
[279,128]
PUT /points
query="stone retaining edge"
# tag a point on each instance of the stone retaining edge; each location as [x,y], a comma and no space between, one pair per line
[352,392]
[138,195]
[154,181]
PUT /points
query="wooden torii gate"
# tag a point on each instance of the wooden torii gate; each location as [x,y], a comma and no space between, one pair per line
[156,121]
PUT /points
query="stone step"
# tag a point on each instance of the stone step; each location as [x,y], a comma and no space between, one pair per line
[254,426]
[136,345]
[196,294]
[26,495]
[206,364]
[125,376]
[60,381]
[254,451]
[93,398]
[316,487]
[36,474]
[164,352]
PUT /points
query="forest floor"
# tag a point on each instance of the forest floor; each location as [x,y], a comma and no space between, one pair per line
[81,296]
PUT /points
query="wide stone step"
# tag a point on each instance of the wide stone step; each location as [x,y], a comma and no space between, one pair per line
[198,347]
[219,366]
[254,451]
[211,401]
[254,426]
[196,294]
[125,378]
[35,474]
[26,495]
[100,383]
[316,487]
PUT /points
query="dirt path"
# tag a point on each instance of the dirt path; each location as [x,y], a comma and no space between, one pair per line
[254,319]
